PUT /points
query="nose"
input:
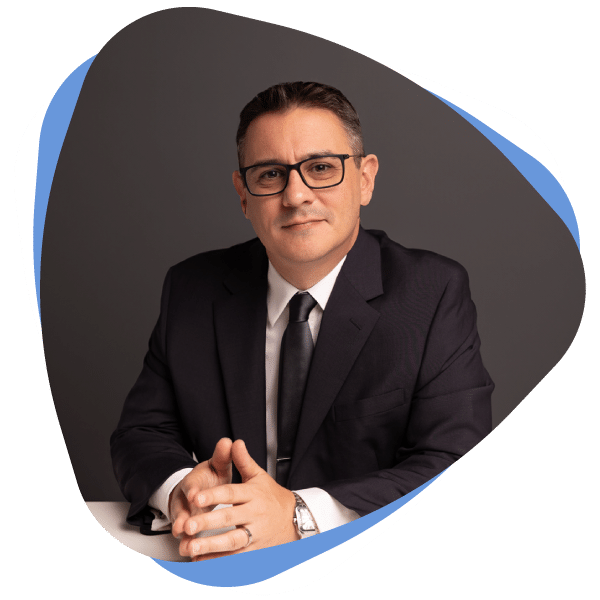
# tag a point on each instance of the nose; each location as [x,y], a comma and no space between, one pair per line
[296,191]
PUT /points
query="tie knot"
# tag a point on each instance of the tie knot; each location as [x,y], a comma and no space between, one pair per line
[300,306]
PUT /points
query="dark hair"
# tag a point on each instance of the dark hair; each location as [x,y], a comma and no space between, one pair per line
[305,94]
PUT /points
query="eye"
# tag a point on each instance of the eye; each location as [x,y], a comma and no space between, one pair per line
[322,169]
[319,168]
[270,173]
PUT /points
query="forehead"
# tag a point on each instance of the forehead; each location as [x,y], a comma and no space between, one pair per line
[293,135]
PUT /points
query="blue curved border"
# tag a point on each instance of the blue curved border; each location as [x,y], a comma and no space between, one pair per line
[252,567]
[535,172]
[54,129]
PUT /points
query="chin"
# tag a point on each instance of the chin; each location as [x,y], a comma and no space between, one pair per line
[306,248]
[313,253]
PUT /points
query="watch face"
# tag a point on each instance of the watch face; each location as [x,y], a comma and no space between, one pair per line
[307,528]
[305,521]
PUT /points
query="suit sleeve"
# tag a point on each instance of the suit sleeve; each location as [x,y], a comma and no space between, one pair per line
[149,443]
[450,409]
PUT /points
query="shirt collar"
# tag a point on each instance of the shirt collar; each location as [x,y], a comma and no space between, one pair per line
[280,291]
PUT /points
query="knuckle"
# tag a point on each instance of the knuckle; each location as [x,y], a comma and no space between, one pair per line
[234,542]
[227,518]
[241,538]
[229,493]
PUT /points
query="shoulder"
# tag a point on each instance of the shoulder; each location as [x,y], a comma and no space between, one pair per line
[395,256]
[241,257]
[210,273]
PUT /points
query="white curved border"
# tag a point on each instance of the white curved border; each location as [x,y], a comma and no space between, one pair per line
[25,185]
[505,124]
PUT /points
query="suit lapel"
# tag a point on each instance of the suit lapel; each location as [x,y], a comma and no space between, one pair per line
[240,322]
[346,325]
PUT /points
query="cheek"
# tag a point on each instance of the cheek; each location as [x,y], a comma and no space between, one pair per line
[260,218]
[347,210]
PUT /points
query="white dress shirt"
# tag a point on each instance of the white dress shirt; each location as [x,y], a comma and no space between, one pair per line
[326,510]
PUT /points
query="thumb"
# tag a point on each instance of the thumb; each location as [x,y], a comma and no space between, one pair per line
[221,458]
[245,464]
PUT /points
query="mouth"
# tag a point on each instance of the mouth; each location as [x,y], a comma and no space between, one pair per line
[298,225]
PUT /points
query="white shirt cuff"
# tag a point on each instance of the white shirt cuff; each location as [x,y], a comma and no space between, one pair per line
[160,500]
[327,512]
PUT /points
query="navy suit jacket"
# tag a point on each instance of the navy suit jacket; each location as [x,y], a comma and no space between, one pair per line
[396,390]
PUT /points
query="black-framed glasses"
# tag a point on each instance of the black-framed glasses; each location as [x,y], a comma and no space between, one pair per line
[317,173]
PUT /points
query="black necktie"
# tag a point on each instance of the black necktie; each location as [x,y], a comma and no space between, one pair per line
[294,362]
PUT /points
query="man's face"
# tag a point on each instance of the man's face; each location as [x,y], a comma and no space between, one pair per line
[301,226]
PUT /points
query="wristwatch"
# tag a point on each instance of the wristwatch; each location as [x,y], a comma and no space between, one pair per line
[303,519]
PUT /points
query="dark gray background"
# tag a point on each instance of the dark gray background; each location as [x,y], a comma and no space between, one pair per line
[144,181]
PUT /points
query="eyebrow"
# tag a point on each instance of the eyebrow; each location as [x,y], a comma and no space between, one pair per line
[276,161]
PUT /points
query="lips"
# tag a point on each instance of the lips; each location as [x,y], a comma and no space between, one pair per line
[298,223]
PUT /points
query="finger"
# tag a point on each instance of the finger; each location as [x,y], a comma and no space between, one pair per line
[245,464]
[196,481]
[230,493]
[218,519]
[220,463]
[184,544]
[193,493]
[179,513]
[177,529]
[224,542]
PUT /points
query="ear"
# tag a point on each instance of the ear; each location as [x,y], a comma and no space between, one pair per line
[240,188]
[369,167]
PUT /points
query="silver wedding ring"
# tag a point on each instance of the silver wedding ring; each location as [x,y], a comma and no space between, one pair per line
[249,536]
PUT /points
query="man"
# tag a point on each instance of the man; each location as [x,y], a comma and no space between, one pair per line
[352,394]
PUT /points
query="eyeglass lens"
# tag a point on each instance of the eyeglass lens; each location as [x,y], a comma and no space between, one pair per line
[317,173]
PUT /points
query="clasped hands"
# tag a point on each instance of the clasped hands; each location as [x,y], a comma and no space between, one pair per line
[259,504]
